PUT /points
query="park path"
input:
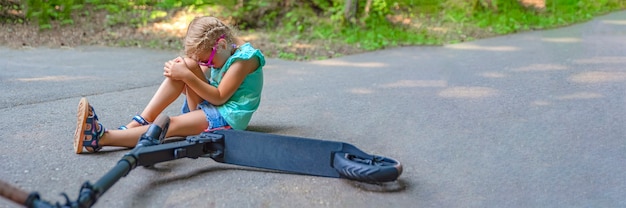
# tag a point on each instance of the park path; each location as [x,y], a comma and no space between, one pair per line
[535,119]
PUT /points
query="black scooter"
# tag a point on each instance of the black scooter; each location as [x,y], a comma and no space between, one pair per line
[245,148]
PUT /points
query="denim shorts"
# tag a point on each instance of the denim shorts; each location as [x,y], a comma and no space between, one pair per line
[213,116]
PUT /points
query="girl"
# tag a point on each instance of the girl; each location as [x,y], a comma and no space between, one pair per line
[220,75]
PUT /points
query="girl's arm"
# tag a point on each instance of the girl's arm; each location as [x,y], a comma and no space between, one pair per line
[230,82]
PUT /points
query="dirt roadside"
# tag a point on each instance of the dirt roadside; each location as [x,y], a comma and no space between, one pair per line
[91,31]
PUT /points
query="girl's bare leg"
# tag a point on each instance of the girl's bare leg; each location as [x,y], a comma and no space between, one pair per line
[167,93]
[193,99]
[188,124]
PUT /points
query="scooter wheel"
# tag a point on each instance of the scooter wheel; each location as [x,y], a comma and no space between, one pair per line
[371,169]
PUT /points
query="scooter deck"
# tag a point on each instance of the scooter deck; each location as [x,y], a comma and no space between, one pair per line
[284,153]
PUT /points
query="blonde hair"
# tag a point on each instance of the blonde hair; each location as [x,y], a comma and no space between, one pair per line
[203,33]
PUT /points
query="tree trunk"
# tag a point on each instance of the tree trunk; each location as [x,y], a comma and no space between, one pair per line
[350,10]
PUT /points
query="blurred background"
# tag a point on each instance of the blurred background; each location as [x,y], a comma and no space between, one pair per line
[290,29]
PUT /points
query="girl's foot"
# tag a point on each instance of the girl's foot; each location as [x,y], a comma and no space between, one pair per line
[88,130]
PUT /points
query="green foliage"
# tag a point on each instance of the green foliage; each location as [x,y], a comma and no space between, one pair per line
[254,14]
[372,30]
[510,16]
[379,8]
[138,12]
[10,12]
[46,11]
[383,35]
[298,20]
[135,13]
[287,55]
[369,26]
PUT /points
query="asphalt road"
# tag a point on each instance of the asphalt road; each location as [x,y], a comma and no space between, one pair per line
[536,119]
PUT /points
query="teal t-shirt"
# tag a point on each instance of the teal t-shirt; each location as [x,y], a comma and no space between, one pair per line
[237,111]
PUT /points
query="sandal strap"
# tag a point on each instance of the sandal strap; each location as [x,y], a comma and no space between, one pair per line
[95,139]
[95,116]
[140,120]
[93,131]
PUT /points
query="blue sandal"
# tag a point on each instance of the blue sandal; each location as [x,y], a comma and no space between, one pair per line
[88,130]
[137,119]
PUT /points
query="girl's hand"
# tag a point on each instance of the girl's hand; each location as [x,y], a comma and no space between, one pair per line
[177,69]
[171,62]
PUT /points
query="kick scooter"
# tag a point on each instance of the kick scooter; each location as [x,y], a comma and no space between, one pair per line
[268,151]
